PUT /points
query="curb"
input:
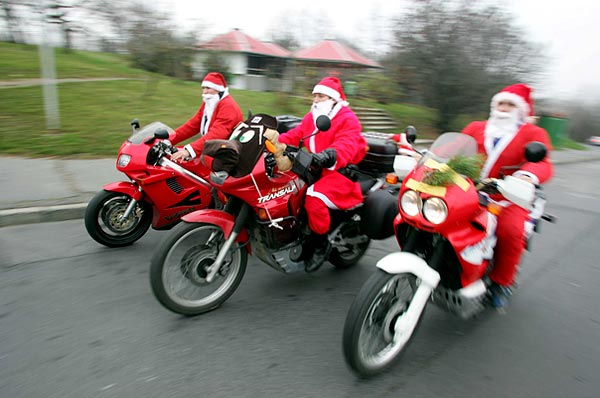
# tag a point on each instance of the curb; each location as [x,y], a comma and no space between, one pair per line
[35,215]
[41,214]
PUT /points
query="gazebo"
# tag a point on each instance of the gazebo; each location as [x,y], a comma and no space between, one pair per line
[331,53]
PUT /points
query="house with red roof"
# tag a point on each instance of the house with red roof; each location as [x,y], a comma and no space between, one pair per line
[255,65]
[262,66]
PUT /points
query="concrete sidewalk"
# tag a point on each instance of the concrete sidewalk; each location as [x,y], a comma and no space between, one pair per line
[43,190]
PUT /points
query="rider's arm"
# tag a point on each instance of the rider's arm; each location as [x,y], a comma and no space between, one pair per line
[188,129]
[349,144]
[542,171]
[227,115]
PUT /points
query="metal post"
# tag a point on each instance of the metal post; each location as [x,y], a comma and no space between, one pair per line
[48,72]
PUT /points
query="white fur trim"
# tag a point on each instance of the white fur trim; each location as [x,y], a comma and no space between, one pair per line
[494,152]
[515,99]
[311,192]
[321,89]
[527,174]
[189,148]
[219,88]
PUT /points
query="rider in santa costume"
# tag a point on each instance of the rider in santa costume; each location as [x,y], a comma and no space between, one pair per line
[218,115]
[336,148]
[502,138]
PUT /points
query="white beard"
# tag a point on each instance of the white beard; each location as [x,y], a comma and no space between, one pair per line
[321,108]
[210,103]
[501,124]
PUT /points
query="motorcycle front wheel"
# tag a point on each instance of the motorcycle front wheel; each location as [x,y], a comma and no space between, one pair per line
[181,263]
[103,219]
[376,331]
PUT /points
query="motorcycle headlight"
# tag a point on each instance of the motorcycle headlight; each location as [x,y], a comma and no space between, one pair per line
[435,210]
[411,203]
[123,160]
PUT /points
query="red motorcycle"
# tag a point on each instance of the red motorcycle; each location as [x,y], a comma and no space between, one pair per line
[446,231]
[199,265]
[159,194]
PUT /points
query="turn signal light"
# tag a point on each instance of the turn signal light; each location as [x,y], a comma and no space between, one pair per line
[262,215]
[494,208]
[391,178]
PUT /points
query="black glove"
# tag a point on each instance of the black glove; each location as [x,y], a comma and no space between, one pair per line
[270,164]
[325,159]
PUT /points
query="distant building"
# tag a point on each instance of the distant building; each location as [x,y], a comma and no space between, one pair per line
[262,66]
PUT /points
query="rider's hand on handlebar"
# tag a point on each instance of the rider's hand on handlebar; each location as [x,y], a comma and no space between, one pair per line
[325,159]
[270,163]
[180,155]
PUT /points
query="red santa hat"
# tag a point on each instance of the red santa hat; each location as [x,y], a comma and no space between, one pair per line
[331,87]
[215,81]
[518,94]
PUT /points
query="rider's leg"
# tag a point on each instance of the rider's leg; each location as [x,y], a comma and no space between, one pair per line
[319,222]
[509,248]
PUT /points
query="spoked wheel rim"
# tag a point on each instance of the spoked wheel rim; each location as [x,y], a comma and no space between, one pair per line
[386,329]
[109,217]
[187,263]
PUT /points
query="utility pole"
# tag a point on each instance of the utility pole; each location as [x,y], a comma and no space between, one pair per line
[48,73]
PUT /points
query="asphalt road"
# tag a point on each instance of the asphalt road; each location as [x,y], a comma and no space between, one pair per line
[79,320]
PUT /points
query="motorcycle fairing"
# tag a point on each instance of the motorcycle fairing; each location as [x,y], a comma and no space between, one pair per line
[127,188]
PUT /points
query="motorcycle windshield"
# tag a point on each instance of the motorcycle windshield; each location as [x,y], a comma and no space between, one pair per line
[148,131]
[450,145]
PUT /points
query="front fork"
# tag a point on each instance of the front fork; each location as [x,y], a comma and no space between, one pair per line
[130,207]
[240,221]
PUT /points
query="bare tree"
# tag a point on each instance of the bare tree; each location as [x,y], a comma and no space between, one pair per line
[295,29]
[154,46]
[15,35]
[453,55]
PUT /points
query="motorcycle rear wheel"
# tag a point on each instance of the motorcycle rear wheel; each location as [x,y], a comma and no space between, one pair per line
[349,246]
[102,219]
[180,265]
[375,333]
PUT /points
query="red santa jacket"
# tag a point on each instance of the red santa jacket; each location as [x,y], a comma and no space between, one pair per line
[510,151]
[226,116]
[344,135]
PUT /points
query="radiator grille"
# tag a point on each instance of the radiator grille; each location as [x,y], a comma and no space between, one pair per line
[174,185]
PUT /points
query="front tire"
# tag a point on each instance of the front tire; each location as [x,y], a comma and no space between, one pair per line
[180,264]
[375,332]
[103,223]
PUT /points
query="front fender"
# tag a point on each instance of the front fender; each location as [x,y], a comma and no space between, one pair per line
[127,188]
[221,219]
[403,262]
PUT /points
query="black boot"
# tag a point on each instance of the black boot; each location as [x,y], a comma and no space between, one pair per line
[322,250]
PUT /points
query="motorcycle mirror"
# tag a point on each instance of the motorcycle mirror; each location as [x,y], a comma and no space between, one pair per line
[323,122]
[411,134]
[535,151]
[135,123]
[161,133]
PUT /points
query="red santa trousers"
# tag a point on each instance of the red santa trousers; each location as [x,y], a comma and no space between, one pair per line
[510,244]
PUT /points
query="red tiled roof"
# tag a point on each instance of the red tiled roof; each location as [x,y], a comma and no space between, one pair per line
[238,41]
[334,51]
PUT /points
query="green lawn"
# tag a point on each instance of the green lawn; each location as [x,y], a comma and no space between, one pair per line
[95,115]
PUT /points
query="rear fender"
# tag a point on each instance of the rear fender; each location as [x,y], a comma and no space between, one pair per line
[404,262]
[221,219]
[126,188]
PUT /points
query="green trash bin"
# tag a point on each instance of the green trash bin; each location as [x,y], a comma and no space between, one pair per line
[555,126]
[350,87]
